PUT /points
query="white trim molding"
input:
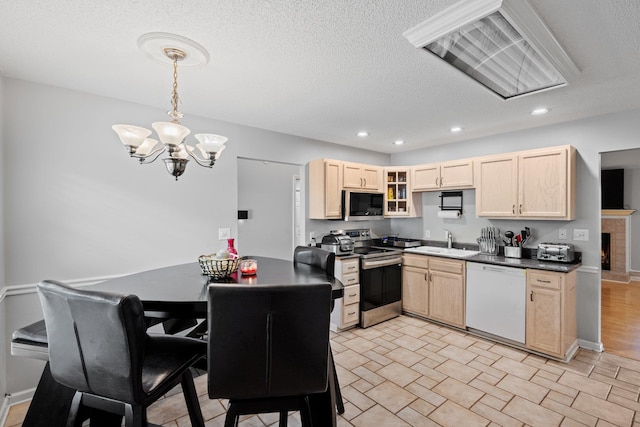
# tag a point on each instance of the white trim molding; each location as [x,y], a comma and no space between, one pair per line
[589,345]
[31,288]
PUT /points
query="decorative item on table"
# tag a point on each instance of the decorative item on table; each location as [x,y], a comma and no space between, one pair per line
[233,253]
[248,267]
[219,265]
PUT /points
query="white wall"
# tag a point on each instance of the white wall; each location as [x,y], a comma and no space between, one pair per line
[3,336]
[77,208]
[590,137]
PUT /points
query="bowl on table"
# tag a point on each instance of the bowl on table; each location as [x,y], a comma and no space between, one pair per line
[218,268]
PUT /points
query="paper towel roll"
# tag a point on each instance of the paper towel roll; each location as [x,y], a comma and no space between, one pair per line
[448,214]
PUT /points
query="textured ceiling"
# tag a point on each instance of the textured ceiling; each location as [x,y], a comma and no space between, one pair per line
[321,69]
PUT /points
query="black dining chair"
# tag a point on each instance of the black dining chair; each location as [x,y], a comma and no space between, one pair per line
[98,345]
[315,256]
[268,348]
[325,260]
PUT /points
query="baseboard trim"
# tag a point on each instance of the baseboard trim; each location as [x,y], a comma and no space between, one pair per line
[589,345]
[4,410]
[14,399]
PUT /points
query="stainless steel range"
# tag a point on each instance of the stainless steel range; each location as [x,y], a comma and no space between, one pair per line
[380,278]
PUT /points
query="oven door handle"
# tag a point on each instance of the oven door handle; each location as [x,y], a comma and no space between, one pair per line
[367,265]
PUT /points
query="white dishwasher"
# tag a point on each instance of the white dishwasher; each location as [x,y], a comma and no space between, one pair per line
[496,299]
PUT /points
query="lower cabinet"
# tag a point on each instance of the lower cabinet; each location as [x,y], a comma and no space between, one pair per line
[434,288]
[346,311]
[551,312]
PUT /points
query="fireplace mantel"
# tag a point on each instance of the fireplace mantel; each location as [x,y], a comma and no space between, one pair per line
[617,212]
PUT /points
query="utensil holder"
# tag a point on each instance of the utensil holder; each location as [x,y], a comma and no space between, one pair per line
[513,252]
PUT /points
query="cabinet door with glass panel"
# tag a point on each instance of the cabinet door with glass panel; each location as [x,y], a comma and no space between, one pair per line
[399,200]
[396,192]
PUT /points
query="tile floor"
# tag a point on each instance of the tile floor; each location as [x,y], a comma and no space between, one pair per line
[408,372]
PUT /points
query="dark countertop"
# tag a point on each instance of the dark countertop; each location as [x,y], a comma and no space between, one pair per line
[561,267]
[527,261]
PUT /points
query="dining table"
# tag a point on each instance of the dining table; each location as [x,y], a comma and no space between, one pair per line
[180,292]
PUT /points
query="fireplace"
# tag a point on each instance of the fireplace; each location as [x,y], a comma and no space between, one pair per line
[606,251]
[615,245]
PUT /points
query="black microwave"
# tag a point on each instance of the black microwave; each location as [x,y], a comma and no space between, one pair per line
[360,206]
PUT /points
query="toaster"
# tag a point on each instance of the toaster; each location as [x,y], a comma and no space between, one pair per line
[562,252]
[340,244]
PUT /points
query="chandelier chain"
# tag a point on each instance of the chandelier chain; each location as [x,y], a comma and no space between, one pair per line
[174,93]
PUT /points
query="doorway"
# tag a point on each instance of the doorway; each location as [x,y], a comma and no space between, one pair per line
[271,193]
[620,292]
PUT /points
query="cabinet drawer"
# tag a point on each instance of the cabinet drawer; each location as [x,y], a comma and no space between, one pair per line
[351,295]
[350,279]
[544,279]
[350,313]
[350,266]
[446,265]
[419,261]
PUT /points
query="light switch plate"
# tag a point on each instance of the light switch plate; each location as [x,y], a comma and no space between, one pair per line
[224,233]
[427,233]
[579,234]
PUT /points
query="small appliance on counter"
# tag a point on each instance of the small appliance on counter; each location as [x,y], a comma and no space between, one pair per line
[400,242]
[338,243]
[561,252]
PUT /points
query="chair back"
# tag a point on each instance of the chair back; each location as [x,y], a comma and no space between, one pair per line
[315,256]
[95,340]
[268,340]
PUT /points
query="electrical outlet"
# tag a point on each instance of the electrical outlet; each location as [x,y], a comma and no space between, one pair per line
[224,233]
[427,233]
[581,235]
[562,234]
[312,235]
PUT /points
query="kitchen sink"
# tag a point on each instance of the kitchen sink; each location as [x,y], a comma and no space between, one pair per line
[448,252]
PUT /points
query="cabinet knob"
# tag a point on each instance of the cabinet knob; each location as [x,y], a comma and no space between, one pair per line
[513,209]
[531,296]
[520,209]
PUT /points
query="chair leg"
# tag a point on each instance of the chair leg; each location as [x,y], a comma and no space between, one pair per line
[134,415]
[191,399]
[74,419]
[231,420]
[305,413]
[284,415]
[339,401]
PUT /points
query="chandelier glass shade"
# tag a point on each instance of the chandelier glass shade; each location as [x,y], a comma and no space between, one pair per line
[171,134]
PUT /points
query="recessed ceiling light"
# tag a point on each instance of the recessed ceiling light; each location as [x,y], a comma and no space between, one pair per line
[363,134]
[540,111]
[398,142]
[455,129]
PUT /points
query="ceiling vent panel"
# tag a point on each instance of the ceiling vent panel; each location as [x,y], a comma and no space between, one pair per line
[502,44]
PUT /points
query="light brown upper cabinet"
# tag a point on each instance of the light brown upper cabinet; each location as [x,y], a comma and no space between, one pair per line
[446,175]
[399,201]
[361,177]
[528,184]
[325,189]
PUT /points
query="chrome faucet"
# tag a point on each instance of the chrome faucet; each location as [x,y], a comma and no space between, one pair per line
[449,238]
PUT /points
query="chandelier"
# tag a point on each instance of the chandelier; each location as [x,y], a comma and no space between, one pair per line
[172,49]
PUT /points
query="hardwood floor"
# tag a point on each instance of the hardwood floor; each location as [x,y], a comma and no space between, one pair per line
[621,318]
